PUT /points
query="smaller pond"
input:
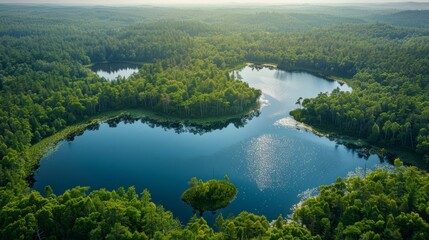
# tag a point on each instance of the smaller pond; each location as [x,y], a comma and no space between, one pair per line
[111,71]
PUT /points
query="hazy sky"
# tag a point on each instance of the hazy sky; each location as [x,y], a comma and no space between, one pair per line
[176,2]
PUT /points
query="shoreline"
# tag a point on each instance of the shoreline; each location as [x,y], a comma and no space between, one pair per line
[37,151]
[362,147]
[340,80]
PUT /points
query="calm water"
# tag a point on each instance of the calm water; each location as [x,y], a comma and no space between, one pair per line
[111,71]
[269,163]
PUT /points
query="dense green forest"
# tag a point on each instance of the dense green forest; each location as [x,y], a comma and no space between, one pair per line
[383,205]
[187,57]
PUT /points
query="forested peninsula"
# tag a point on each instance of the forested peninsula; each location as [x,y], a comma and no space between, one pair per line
[187,56]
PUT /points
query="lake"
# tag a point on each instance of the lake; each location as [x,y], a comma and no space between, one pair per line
[111,71]
[270,163]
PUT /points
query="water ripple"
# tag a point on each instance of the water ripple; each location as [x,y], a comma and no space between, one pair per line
[274,162]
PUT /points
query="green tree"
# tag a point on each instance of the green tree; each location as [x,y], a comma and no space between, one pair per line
[375,132]
[209,196]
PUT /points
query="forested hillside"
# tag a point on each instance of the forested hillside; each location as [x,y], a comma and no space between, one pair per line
[416,18]
[187,56]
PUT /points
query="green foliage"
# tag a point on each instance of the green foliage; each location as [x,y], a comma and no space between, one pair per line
[411,18]
[102,214]
[245,226]
[189,54]
[388,104]
[46,87]
[291,231]
[375,133]
[209,196]
[384,205]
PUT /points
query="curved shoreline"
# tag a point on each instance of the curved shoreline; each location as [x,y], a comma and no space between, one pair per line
[37,151]
[340,80]
[362,148]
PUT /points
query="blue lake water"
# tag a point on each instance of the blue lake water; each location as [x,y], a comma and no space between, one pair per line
[268,162]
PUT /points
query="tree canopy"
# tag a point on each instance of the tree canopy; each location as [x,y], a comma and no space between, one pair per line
[187,57]
[210,195]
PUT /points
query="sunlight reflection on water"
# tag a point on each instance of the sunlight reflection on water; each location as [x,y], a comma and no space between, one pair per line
[270,162]
[273,162]
[262,161]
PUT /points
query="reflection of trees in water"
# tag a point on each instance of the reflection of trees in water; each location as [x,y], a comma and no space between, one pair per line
[365,151]
[181,127]
[93,127]
[362,151]
[282,75]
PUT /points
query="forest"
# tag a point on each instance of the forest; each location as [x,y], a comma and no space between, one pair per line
[187,56]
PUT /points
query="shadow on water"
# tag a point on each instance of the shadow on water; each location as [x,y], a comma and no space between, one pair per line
[178,126]
[362,151]
[185,126]
[365,151]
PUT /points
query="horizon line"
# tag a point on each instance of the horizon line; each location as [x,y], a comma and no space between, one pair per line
[231,3]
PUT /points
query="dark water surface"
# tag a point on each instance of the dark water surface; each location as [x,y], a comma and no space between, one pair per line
[270,163]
